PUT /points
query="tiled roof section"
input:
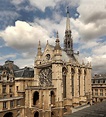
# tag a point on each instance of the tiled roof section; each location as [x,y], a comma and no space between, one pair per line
[25,72]
[97,110]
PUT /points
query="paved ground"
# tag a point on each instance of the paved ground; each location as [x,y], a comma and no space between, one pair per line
[97,110]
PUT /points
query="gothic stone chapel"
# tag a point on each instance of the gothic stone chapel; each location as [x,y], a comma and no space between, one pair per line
[60,81]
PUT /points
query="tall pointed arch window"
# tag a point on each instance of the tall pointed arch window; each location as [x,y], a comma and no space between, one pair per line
[64,74]
[68,44]
[72,80]
[84,80]
[79,79]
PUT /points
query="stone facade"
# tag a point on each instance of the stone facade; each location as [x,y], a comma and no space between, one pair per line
[99,88]
[60,82]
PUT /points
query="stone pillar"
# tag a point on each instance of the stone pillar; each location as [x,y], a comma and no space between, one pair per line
[36,77]
[57,80]
[76,93]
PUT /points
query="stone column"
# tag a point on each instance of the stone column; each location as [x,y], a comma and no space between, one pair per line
[76,93]
[82,93]
[36,77]
[57,80]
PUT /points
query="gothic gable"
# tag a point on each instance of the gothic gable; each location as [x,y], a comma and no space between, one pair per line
[48,53]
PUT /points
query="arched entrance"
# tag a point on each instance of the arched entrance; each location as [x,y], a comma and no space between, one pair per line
[36,114]
[52,114]
[36,98]
[9,114]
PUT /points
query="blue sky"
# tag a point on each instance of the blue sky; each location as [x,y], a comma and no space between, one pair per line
[24,22]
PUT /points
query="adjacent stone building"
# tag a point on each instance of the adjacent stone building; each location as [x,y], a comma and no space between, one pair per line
[58,84]
[10,104]
[99,88]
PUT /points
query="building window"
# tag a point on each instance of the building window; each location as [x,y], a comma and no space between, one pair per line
[11,95]
[18,102]
[101,92]
[103,81]
[72,80]
[79,74]
[105,92]
[98,81]
[4,105]
[79,84]
[10,88]
[4,89]
[84,83]
[72,85]
[96,92]
[11,104]
[93,81]
[7,77]
[17,88]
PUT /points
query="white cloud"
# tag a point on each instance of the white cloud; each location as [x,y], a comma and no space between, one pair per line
[91,23]
[9,56]
[17,2]
[43,4]
[24,36]
[98,63]
[100,49]
[27,62]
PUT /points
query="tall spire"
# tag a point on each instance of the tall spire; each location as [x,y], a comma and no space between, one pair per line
[68,20]
[68,41]
[57,46]
[39,50]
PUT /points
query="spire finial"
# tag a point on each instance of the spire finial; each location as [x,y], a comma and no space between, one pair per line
[39,42]
[67,9]
[47,42]
[57,35]
[68,20]
[39,46]
[39,49]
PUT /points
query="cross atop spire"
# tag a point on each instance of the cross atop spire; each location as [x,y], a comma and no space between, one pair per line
[68,20]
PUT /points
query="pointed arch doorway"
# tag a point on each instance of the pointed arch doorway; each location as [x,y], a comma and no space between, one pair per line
[36,114]
[9,114]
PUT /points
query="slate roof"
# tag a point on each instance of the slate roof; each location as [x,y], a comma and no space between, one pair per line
[7,64]
[25,73]
[99,76]
[66,58]
[97,110]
